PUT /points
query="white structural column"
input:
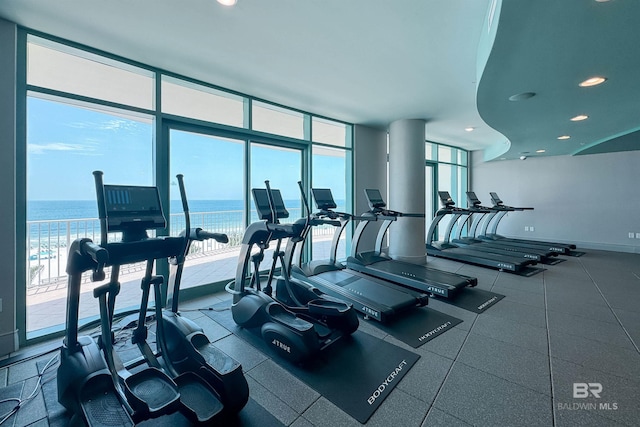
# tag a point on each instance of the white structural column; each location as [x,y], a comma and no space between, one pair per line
[406,189]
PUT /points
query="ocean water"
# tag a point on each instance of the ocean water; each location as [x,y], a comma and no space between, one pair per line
[53,222]
[50,210]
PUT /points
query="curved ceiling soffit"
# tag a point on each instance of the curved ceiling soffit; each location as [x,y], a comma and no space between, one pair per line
[485,45]
[622,141]
[540,47]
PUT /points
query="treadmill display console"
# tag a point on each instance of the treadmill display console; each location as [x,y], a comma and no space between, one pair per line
[472,198]
[495,199]
[374,198]
[445,198]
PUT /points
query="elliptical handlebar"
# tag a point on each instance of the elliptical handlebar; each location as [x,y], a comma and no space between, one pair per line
[200,235]
[272,205]
[196,233]
[98,254]
[95,251]
[102,212]
[305,202]
[185,203]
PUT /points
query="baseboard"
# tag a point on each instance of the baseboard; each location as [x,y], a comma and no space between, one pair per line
[8,342]
[608,247]
[612,247]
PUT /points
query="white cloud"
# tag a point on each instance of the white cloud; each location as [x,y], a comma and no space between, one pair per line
[113,124]
[59,146]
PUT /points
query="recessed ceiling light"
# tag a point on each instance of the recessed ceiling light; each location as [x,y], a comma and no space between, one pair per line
[593,81]
[540,151]
[228,2]
[469,129]
[564,137]
[522,96]
[579,118]
[602,1]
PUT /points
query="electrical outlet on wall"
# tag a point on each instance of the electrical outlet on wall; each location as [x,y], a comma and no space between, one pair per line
[526,228]
[637,235]
[630,235]
[0,305]
[532,228]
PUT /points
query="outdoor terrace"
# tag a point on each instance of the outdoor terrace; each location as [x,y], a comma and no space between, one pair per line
[208,262]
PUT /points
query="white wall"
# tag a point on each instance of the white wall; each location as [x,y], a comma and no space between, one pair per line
[8,333]
[592,201]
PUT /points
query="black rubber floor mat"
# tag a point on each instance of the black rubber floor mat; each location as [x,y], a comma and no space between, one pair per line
[473,299]
[356,373]
[57,414]
[252,415]
[419,326]
[552,261]
[528,271]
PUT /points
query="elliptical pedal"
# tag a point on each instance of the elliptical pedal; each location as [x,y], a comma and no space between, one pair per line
[151,393]
[199,400]
[101,406]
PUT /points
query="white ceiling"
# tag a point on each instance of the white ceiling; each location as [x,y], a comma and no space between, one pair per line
[363,61]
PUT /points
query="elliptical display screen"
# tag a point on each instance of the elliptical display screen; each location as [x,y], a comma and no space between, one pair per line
[261,200]
[324,198]
[132,207]
[375,198]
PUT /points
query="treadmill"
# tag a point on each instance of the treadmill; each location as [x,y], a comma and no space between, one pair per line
[378,264]
[446,249]
[478,212]
[494,219]
[376,299]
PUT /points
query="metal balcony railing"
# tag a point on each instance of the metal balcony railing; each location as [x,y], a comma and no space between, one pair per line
[49,241]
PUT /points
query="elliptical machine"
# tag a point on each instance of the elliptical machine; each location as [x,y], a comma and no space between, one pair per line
[307,323]
[155,392]
[84,382]
[183,343]
[299,296]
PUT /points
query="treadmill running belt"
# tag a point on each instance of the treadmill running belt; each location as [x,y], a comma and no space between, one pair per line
[348,281]
[356,374]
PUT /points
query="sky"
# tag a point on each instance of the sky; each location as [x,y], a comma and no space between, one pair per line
[66,143]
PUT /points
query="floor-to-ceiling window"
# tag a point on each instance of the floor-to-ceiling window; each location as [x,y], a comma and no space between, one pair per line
[330,171]
[68,137]
[213,174]
[86,110]
[446,171]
